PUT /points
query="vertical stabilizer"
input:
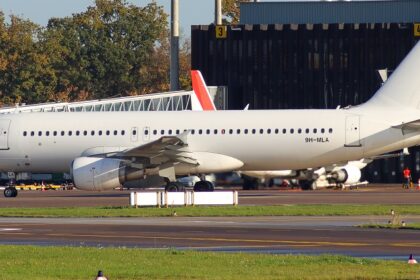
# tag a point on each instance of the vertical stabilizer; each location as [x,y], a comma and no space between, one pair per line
[403,86]
[201,91]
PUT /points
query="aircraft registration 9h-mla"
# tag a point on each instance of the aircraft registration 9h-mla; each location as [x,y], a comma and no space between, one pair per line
[103,150]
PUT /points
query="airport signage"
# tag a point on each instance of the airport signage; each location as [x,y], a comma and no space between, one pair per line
[221,31]
[187,198]
[417,30]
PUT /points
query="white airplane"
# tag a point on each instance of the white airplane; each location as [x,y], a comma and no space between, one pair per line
[341,175]
[105,149]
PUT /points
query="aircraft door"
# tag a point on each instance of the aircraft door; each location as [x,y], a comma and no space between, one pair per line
[352,131]
[134,134]
[4,134]
[146,133]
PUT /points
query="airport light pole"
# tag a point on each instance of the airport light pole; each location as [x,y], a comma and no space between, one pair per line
[174,68]
[218,12]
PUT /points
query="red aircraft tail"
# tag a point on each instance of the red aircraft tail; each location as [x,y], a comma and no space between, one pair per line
[201,91]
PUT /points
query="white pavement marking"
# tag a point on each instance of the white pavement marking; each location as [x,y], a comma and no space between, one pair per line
[10,229]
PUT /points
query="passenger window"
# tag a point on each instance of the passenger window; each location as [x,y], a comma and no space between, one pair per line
[170,131]
[245,131]
[55,133]
[115,132]
[322,130]
[268,131]
[92,133]
[222,131]
[70,132]
[25,133]
[215,131]
[47,133]
[77,132]
[32,133]
[299,130]
[230,131]
[307,130]
[100,132]
[208,131]
[39,133]
[122,132]
[315,130]
[330,130]
[85,132]
[254,130]
[292,131]
[284,131]
[261,131]
[154,132]
[162,132]
[177,131]
[238,131]
[200,131]
[192,131]
[63,133]
[276,131]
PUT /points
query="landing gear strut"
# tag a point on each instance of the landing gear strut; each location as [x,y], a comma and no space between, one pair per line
[10,192]
[203,186]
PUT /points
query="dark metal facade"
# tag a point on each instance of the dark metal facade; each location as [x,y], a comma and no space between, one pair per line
[305,66]
[302,12]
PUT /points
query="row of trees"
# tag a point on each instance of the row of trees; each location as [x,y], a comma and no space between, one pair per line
[112,48]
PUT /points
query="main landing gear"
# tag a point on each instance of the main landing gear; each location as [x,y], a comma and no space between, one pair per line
[200,186]
[203,186]
[10,192]
[174,187]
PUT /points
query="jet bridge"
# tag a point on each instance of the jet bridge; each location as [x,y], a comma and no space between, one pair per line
[168,101]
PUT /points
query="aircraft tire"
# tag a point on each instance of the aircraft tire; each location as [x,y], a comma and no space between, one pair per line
[305,184]
[174,187]
[203,186]
[10,192]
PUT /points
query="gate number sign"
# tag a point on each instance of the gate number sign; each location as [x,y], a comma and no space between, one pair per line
[417,29]
[221,31]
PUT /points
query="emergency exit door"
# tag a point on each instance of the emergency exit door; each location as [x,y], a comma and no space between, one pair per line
[352,131]
[4,134]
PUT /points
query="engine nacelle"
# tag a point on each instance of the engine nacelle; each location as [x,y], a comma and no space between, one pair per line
[348,174]
[95,174]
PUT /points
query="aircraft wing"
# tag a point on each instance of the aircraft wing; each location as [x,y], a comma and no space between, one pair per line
[410,125]
[166,149]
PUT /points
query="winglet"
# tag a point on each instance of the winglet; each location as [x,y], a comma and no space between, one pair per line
[201,91]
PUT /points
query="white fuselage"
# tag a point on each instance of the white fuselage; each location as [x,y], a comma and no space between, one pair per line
[283,139]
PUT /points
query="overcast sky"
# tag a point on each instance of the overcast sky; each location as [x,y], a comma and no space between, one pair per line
[39,11]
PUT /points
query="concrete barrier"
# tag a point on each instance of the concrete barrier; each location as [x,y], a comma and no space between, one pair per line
[186,198]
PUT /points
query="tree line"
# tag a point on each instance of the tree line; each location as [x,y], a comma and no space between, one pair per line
[112,49]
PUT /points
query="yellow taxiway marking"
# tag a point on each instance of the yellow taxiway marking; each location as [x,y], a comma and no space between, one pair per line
[290,242]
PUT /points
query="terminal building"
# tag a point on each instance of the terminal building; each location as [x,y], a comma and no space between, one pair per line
[310,54]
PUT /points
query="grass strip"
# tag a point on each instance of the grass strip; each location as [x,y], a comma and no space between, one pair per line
[279,210]
[32,262]
[390,226]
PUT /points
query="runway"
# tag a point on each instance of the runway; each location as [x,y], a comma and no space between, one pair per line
[302,235]
[377,194]
[308,235]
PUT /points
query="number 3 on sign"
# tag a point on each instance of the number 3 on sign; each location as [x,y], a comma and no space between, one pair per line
[221,31]
[417,29]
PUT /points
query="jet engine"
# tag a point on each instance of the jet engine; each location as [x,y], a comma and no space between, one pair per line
[348,174]
[93,173]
